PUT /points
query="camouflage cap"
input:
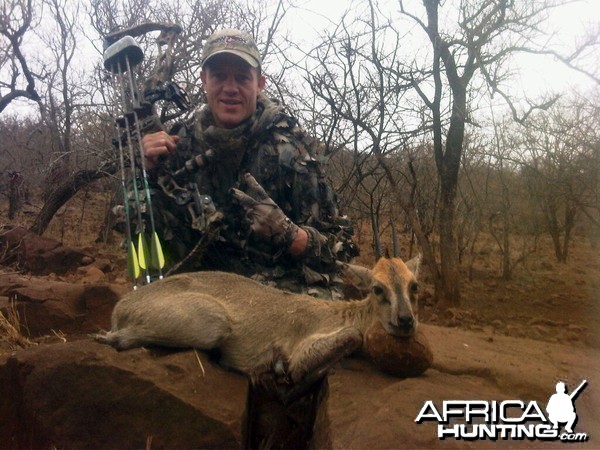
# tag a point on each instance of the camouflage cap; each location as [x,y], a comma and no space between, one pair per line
[232,41]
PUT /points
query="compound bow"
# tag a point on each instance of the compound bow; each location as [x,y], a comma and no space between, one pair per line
[134,111]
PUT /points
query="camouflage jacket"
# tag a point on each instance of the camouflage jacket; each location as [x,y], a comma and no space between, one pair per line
[202,229]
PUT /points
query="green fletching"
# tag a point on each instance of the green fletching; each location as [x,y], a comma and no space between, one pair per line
[158,259]
[133,267]
[143,253]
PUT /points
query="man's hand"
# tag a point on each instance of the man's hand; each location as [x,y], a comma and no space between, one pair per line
[157,146]
[267,220]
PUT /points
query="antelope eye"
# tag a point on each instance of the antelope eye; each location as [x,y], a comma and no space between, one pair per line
[414,288]
[377,290]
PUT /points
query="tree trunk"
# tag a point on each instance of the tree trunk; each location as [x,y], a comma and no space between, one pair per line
[423,241]
[448,164]
[506,269]
[449,293]
[106,229]
[395,242]
[551,211]
[376,238]
[15,194]
[570,213]
[63,193]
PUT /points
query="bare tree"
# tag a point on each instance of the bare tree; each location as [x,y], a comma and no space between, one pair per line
[351,73]
[384,100]
[16,17]
[562,168]
[63,102]
[478,46]
[59,108]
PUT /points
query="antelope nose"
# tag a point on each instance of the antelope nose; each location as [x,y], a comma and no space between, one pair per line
[405,322]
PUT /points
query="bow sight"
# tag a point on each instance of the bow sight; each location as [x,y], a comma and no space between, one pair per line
[134,114]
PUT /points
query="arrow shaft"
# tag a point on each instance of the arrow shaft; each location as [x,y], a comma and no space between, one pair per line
[136,103]
[133,268]
[119,75]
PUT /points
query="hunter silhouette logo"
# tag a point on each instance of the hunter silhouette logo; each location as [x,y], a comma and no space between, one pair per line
[508,419]
[560,406]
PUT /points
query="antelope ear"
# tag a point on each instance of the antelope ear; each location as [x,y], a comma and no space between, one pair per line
[414,265]
[357,276]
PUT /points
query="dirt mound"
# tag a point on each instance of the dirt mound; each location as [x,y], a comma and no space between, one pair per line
[372,410]
[86,395]
[83,394]
[45,305]
[38,255]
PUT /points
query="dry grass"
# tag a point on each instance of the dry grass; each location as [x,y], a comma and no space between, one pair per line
[10,329]
[200,362]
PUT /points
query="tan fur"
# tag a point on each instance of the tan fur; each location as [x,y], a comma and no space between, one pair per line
[252,324]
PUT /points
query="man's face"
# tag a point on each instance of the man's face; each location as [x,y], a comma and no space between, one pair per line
[232,87]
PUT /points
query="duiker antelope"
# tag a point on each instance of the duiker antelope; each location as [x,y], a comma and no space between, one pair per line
[253,325]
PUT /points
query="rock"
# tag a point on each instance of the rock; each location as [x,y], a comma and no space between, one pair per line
[104,264]
[538,331]
[45,306]
[87,260]
[37,254]
[89,274]
[398,356]
[87,395]
[84,394]
[497,324]
[513,330]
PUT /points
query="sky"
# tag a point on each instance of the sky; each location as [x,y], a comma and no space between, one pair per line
[535,74]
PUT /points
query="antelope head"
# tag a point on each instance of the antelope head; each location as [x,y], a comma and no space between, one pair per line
[394,288]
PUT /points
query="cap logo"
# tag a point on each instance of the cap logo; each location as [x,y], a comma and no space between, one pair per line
[230,40]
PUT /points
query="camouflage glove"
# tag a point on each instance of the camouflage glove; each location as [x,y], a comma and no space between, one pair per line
[265,218]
